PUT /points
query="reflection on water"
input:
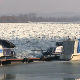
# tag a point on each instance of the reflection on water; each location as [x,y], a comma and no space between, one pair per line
[13,77]
[54,70]
[7,77]
[69,79]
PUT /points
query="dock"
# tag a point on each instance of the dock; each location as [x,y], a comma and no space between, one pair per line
[15,61]
[10,61]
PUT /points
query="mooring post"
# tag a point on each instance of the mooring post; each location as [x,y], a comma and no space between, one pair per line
[1,63]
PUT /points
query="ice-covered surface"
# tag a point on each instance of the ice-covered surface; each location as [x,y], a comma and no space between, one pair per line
[31,36]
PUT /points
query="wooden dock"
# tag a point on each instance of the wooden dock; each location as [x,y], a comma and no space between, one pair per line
[10,61]
[14,61]
[28,60]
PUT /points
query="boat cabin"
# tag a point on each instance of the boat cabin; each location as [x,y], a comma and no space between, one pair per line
[6,48]
[71,50]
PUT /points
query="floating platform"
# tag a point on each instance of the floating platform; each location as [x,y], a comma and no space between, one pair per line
[10,61]
[15,61]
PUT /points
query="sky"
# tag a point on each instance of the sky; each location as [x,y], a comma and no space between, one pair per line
[56,7]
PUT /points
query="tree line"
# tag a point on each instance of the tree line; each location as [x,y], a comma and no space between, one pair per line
[35,18]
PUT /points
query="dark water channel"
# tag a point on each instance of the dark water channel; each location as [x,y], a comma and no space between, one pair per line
[55,70]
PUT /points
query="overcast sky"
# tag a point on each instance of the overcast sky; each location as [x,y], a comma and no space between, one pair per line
[39,6]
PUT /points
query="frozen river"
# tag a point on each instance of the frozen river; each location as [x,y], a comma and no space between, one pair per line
[37,36]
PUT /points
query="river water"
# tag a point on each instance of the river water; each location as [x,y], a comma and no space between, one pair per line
[54,70]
